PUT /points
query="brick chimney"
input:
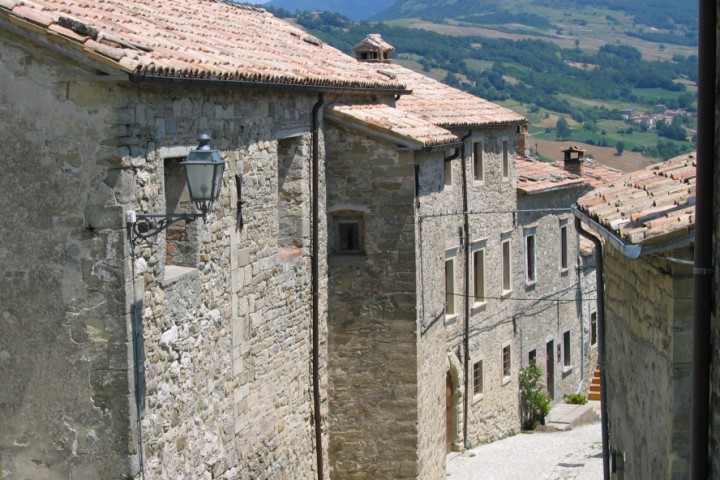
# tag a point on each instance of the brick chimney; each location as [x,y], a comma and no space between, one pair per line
[521,143]
[373,49]
[574,159]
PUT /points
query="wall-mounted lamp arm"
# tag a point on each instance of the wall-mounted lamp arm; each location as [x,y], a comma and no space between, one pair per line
[147,226]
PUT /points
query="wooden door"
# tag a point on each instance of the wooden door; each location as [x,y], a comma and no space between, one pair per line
[550,369]
[449,417]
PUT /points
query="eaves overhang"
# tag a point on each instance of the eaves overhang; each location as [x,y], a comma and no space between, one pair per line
[672,241]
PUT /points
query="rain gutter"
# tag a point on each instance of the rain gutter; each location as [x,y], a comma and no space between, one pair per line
[702,271]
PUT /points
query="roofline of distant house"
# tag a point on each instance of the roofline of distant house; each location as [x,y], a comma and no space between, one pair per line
[66,47]
[403,142]
[630,250]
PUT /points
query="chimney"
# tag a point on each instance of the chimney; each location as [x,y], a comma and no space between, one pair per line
[521,144]
[573,161]
[373,49]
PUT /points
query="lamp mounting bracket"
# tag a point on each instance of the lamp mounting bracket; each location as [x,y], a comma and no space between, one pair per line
[150,225]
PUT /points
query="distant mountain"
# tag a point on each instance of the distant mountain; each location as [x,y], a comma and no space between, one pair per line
[353,9]
[658,13]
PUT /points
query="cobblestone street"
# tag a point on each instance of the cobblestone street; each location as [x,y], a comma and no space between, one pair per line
[570,455]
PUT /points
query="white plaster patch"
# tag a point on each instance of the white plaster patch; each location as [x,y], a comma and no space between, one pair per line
[169,338]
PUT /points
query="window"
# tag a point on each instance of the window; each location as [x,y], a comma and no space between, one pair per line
[180,237]
[450,287]
[478,162]
[506,286]
[563,247]
[505,159]
[532,356]
[566,349]
[479,275]
[593,328]
[478,378]
[448,174]
[530,264]
[348,234]
[506,361]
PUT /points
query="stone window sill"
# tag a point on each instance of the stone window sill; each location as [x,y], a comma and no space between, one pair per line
[478,306]
[478,397]
[451,319]
[506,380]
[567,369]
[506,293]
[176,273]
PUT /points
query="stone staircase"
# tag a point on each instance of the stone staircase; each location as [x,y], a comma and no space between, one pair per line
[594,393]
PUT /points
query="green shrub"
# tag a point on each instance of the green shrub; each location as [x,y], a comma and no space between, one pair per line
[534,402]
[575,399]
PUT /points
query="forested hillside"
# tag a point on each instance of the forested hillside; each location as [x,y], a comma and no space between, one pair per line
[353,9]
[658,13]
[594,88]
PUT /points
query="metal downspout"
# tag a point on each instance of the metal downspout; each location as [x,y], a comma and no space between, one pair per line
[316,112]
[466,326]
[599,267]
[702,271]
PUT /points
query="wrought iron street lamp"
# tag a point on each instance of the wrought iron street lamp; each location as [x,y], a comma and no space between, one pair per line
[203,172]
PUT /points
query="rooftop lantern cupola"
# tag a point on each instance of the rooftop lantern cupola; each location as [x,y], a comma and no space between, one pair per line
[373,49]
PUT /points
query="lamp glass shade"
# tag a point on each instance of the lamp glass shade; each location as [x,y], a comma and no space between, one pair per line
[204,170]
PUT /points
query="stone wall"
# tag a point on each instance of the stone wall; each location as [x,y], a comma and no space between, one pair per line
[648,330]
[558,309]
[373,353]
[66,406]
[227,345]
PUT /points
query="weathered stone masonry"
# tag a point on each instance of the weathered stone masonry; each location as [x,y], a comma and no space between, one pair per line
[227,342]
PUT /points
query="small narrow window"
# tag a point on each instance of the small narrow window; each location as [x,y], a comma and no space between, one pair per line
[448,174]
[348,233]
[506,266]
[530,271]
[506,365]
[563,247]
[478,377]
[532,356]
[593,328]
[479,275]
[505,159]
[566,349]
[449,287]
[478,162]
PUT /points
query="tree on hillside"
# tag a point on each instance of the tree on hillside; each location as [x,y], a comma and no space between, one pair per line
[563,129]
[620,147]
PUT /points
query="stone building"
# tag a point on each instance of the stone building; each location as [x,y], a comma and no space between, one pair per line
[647,221]
[201,352]
[426,275]
[557,319]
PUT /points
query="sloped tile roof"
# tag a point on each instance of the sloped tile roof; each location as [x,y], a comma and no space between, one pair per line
[442,104]
[193,39]
[536,177]
[648,205]
[408,128]
[599,175]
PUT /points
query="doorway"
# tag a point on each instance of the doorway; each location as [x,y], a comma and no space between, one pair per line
[550,369]
[449,415]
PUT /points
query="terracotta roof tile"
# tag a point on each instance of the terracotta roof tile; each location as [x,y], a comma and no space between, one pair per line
[535,177]
[196,39]
[648,205]
[442,104]
[407,127]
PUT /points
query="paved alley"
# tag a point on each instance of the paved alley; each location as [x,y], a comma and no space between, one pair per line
[570,455]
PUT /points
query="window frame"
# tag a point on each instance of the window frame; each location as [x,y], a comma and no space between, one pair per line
[347,217]
[450,277]
[567,350]
[506,363]
[564,246]
[505,151]
[478,161]
[478,367]
[530,241]
[479,249]
[506,265]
